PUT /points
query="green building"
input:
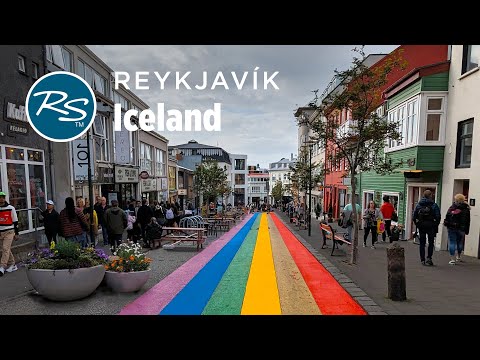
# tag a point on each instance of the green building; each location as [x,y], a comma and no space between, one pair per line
[418,101]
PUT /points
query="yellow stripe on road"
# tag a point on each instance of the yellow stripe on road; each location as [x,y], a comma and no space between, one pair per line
[295,297]
[261,295]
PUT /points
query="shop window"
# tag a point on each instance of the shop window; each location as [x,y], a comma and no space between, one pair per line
[14,153]
[17,192]
[34,155]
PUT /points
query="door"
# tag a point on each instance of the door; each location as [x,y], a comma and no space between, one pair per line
[415,193]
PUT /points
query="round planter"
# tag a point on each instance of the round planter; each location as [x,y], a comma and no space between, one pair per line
[66,285]
[126,281]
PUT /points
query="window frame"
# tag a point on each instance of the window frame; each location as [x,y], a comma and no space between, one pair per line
[35,70]
[460,137]
[466,59]
[22,60]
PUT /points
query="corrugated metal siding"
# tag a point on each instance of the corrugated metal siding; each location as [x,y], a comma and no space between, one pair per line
[435,82]
[430,158]
[405,94]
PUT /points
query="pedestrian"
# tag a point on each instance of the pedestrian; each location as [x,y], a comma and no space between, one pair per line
[116,222]
[101,209]
[387,211]
[348,218]
[94,223]
[8,233]
[73,224]
[144,214]
[51,222]
[371,215]
[318,210]
[427,217]
[457,222]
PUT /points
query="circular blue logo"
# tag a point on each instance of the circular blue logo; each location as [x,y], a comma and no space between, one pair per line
[61,106]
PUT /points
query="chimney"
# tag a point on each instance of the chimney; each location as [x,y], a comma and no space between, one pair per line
[291,156]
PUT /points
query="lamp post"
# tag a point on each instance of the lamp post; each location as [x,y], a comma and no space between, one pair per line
[310,191]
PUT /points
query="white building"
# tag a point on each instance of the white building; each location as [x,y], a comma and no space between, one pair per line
[258,185]
[239,179]
[462,153]
[280,170]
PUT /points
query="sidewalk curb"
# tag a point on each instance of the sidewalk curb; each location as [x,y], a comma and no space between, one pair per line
[360,296]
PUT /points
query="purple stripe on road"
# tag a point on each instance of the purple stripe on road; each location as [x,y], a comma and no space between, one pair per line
[155,299]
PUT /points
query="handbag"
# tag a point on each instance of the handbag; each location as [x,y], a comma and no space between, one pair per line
[394,216]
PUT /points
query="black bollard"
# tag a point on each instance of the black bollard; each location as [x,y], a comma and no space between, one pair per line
[396,273]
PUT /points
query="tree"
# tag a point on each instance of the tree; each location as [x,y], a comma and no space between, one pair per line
[359,142]
[300,172]
[210,180]
[278,190]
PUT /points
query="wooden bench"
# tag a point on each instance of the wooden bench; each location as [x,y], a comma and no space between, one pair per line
[329,233]
[186,234]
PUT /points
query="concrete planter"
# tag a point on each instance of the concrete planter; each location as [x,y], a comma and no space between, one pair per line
[66,285]
[126,281]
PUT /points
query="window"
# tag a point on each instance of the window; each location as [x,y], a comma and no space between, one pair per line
[146,158]
[55,56]
[239,179]
[100,137]
[132,137]
[406,116]
[471,57]
[464,143]
[67,59]
[160,162]
[239,164]
[94,79]
[35,70]
[21,64]
[434,116]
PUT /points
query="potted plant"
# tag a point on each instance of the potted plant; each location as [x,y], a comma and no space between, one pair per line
[396,231]
[66,272]
[129,269]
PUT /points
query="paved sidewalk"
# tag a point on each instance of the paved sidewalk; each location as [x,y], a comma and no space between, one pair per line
[440,289]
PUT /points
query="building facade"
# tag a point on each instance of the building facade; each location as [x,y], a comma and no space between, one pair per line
[258,185]
[26,162]
[461,163]
[239,180]
[280,171]
[153,167]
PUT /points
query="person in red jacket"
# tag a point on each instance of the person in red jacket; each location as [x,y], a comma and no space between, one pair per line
[8,233]
[387,211]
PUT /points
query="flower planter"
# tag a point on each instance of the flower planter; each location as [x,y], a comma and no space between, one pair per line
[126,281]
[66,285]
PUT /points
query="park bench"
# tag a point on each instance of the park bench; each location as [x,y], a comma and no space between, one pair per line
[178,235]
[329,233]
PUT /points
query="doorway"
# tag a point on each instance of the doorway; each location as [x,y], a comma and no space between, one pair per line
[414,194]
[367,197]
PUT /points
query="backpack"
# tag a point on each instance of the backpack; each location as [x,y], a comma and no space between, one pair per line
[425,214]
[452,219]
[169,214]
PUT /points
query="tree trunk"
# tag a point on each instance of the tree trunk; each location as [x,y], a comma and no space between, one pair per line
[354,252]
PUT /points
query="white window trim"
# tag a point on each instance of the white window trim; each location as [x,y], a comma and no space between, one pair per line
[22,63]
[364,205]
[423,117]
[394,110]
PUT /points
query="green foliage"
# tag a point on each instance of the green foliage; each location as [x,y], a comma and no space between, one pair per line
[278,190]
[211,180]
[300,172]
[67,249]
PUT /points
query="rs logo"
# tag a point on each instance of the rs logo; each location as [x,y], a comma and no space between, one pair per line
[61,106]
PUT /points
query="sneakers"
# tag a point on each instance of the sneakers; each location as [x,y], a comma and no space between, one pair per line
[429,262]
[2,271]
[423,262]
[458,259]
[12,268]
[373,247]
[364,245]
[452,262]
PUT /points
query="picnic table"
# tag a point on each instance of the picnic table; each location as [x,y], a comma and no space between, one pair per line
[181,234]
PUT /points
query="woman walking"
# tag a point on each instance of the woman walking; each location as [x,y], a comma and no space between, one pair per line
[73,224]
[371,215]
[457,222]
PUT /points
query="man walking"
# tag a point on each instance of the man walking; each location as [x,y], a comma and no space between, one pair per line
[51,221]
[144,214]
[427,217]
[116,222]
[8,233]
[101,208]
[348,218]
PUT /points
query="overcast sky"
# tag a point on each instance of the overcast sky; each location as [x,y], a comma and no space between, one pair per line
[259,123]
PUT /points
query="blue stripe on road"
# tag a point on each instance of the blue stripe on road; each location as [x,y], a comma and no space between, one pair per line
[193,298]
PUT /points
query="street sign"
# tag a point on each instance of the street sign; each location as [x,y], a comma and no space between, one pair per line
[80,156]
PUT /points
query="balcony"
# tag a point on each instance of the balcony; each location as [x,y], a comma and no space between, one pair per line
[347,129]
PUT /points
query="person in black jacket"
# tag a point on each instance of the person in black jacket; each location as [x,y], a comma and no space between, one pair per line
[457,222]
[51,221]
[144,214]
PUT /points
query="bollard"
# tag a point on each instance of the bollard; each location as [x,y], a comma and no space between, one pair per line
[396,273]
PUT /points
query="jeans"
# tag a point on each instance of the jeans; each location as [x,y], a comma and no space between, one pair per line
[423,241]
[349,232]
[387,231]
[105,235]
[455,241]
[374,234]
[81,239]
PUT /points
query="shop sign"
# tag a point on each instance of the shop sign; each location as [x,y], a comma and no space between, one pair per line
[125,175]
[12,112]
[182,191]
[144,175]
[14,129]
[148,185]
[104,175]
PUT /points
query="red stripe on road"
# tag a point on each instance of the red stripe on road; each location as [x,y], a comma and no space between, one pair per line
[330,296]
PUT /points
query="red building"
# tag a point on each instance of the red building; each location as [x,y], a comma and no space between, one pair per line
[335,192]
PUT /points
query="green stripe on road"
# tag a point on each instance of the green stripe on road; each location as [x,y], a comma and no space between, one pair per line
[227,298]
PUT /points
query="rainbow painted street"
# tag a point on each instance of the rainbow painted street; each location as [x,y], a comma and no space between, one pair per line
[258,268]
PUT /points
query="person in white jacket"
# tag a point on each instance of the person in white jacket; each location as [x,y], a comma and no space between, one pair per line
[8,233]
